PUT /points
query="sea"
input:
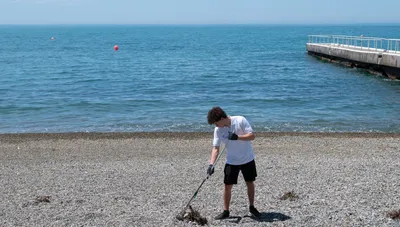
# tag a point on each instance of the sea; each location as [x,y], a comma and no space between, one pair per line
[165,78]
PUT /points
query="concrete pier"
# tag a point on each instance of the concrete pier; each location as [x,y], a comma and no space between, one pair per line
[377,55]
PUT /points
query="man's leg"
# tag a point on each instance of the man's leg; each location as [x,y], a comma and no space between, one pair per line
[231,174]
[227,201]
[228,195]
[250,192]
[250,173]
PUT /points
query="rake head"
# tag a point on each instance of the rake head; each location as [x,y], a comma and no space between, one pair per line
[192,215]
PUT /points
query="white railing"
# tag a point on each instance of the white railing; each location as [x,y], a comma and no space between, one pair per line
[359,42]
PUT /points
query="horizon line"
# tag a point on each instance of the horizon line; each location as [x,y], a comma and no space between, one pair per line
[208,24]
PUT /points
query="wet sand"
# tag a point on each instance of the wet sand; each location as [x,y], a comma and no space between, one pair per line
[145,179]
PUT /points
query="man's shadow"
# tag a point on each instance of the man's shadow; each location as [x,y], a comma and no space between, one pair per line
[265,217]
[269,217]
[234,219]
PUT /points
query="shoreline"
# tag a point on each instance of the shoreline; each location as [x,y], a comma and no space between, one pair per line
[9,137]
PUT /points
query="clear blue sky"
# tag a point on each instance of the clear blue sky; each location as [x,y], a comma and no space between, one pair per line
[198,11]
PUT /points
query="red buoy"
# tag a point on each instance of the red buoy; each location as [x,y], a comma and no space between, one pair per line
[116,47]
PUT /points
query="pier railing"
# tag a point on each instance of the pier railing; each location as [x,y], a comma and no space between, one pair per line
[359,42]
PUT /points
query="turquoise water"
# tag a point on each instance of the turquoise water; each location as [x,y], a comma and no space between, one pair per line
[166,78]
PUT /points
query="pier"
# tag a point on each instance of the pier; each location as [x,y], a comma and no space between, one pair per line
[376,55]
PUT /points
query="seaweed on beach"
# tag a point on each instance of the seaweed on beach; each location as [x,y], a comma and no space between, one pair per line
[37,201]
[193,216]
[394,214]
[43,199]
[291,196]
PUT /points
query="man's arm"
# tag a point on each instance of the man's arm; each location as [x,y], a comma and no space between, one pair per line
[248,136]
[214,154]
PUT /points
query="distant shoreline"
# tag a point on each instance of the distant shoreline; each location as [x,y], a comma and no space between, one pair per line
[9,137]
[207,24]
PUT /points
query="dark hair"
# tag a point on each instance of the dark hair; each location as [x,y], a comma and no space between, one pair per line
[215,114]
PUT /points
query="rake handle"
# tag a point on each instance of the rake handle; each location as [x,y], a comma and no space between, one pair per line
[198,189]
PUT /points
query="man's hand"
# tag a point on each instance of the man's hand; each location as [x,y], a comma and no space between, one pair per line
[210,169]
[232,136]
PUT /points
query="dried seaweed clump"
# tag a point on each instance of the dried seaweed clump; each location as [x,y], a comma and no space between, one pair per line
[43,199]
[289,196]
[394,214]
[192,215]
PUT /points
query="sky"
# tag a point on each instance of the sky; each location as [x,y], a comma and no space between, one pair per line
[199,12]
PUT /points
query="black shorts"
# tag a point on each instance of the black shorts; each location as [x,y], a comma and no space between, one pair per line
[232,172]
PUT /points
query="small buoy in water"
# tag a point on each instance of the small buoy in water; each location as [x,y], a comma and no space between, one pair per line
[116,47]
[52,38]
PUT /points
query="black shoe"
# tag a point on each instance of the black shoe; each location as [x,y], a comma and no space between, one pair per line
[254,212]
[223,215]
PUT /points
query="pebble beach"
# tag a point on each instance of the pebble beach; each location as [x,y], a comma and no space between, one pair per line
[146,179]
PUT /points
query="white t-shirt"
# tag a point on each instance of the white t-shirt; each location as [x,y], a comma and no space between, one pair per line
[238,152]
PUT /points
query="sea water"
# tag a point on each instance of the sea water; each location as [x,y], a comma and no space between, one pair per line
[69,78]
